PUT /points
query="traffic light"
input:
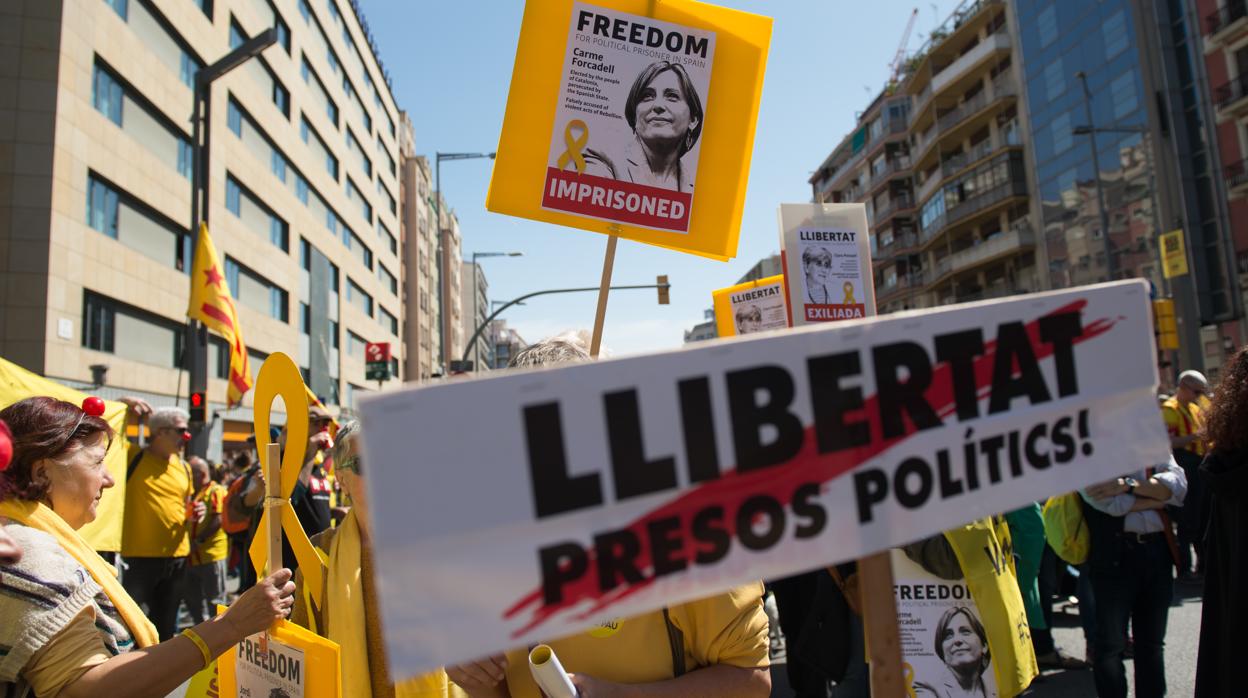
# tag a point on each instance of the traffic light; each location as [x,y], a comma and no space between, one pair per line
[1164,325]
[663,289]
[199,408]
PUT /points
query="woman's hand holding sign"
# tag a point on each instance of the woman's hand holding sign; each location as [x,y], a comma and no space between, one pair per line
[484,678]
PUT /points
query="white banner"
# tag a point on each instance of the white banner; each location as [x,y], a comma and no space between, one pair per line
[533,505]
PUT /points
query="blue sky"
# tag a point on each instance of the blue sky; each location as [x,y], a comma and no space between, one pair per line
[451,67]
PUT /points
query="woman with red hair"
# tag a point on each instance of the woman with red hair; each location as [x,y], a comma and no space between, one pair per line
[70,627]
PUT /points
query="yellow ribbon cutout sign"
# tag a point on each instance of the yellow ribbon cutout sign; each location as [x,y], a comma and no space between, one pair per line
[575,145]
[279,377]
[848,288]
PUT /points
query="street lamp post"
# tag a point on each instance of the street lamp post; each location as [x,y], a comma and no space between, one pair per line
[441,253]
[476,295]
[196,334]
[1110,266]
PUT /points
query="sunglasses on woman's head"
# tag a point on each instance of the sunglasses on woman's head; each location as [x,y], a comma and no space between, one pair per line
[354,464]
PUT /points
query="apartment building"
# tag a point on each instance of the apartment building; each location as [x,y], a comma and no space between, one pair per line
[454,315]
[938,161]
[304,184]
[506,341]
[421,278]
[475,302]
[1223,73]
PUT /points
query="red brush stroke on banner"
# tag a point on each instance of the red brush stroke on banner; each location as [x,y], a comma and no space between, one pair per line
[779,482]
[616,200]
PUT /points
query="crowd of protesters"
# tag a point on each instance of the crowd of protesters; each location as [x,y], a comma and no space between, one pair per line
[72,628]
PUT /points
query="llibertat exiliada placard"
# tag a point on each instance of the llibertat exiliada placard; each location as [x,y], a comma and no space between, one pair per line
[754,306]
[633,118]
[827,262]
[617,487]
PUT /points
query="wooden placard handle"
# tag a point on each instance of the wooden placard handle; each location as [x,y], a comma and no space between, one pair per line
[273,503]
[604,288]
[879,618]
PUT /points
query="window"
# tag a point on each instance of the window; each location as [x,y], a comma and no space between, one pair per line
[1122,93]
[387,279]
[305,318]
[283,32]
[355,196]
[358,151]
[261,72]
[205,6]
[255,291]
[126,219]
[385,235]
[359,298]
[1059,130]
[387,320]
[146,124]
[385,195]
[358,248]
[106,95]
[255,216]
[234,118]
[102,207]
[1054,79]
[314,141]
[320,95]
[116,328]
[1046,24]
[305,11]
[121,7]
[1114,31]
[355,345]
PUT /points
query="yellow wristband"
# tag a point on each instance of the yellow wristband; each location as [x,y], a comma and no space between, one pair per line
[199,642]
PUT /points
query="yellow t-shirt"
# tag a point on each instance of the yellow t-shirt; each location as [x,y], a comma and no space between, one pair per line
[1185,420]
[155,519]
[67,656]
[729,628]
[218,545]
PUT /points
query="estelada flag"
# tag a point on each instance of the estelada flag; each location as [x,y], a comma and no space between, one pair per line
[212,304]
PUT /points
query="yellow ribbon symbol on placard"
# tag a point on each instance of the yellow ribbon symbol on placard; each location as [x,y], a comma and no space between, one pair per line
[575,145]
[907,675]
[280,377]
[848,288]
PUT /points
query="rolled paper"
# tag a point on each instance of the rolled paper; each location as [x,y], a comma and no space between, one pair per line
[548,673]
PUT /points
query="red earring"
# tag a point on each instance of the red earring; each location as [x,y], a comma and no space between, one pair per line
[6,446]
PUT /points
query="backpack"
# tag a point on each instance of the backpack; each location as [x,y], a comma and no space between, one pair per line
[1065,528]
[231,522]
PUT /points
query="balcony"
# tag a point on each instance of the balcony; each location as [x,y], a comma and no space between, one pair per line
[900,202]
[1017,239]
[1226,21]
[900,241]
[961,116]
[1014,186]
[989,47]
[1231,97]
[891,167]
[1237,177]
[914,280]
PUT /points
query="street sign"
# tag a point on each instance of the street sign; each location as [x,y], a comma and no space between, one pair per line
[1173,254]
[377,358]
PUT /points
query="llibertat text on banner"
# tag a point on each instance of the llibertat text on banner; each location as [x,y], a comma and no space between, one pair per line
[604,490]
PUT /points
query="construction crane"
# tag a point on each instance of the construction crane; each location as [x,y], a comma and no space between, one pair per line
[894,69]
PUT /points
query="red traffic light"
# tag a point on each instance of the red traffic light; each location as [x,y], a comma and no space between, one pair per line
[197,399]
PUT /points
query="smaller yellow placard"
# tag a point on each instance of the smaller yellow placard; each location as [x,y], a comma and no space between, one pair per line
[1173,254]
[754,306]
[293,655]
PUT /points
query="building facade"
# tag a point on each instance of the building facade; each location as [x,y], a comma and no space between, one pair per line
[475,305]
[453,313]
[422,321]
[1224,64]
[506,341]
[303,186]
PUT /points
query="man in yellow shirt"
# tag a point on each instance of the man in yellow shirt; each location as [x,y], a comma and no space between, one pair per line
[155,538]
[1184,414]
[715,646]
[205,574]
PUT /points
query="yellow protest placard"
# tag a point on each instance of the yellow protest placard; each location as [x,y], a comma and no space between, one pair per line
[633,118]
[293,659]
[1173,254]
[754,306]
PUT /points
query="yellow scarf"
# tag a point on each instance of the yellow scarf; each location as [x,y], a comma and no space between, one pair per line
[986,554]
[344,621]
[40,517]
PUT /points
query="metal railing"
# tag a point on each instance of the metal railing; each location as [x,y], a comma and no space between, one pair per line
[1237,174]
[897,202]
[1230,91]
[1225,15]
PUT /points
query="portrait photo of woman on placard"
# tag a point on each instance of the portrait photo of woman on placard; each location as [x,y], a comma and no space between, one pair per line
[962,644]
[664,111]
